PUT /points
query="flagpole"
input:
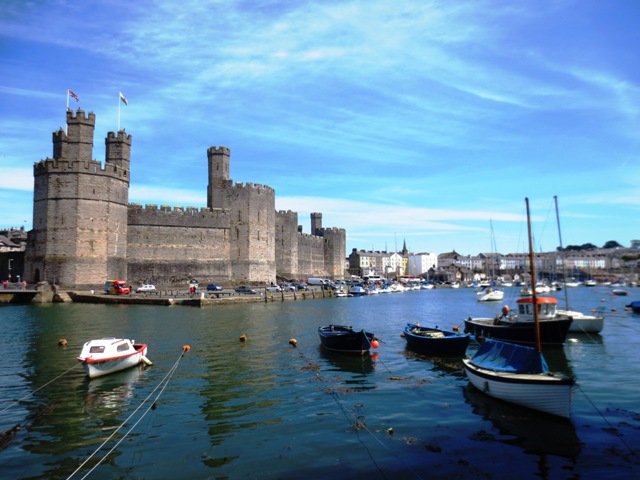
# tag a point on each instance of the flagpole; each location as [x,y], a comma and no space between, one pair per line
[118,113]
[65,123]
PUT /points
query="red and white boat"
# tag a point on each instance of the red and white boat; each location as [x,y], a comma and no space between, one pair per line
[108,355]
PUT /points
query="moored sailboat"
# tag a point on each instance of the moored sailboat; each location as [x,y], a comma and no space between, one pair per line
[517,373]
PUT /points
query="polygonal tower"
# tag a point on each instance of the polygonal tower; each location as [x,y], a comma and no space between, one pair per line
[79,235]
[219,181]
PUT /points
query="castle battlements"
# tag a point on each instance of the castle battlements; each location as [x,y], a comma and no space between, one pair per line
[310,237]
[334,230]
[120,136]
[254,186]
[218,150]
[94,167]
[153,214]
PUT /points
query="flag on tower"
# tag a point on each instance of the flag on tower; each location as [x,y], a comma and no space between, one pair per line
[124,100]
[73,95]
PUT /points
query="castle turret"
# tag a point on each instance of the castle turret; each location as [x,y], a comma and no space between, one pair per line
[118,150]
[77,142]
[316,224]
[219,181]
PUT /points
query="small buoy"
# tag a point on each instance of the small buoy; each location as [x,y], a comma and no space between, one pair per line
[243,338]
[375,344]
[603,300]
[613,309]
[390,430]
[593,311]
[293,342]
[186,348]
[402,335]
[456,328]
[62,342]
[146,361]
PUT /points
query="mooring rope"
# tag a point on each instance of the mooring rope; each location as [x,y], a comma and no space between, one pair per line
[359,425]
[164,382]
[39,388]
[631,451]
[378,359]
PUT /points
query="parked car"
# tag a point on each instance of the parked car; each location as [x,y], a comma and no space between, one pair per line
[146,288]
[302,286]
[274,288]
[212,287]
[287,287]
[245,289]
[116,287]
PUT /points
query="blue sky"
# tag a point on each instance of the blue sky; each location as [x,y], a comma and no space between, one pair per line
[417,121]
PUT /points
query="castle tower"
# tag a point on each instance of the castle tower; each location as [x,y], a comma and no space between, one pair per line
[316,224]
[252,209]
[118,150]
[79,235]
[219,181]
[335,252]
[287,244]
[77,142]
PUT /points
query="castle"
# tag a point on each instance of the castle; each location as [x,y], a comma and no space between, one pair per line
[85,231]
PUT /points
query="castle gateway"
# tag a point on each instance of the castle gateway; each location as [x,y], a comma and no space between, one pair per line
[85,231]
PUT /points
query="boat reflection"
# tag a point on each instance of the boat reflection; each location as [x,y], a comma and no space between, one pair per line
[108,392]
[359,364]
[532,431]
[440,365]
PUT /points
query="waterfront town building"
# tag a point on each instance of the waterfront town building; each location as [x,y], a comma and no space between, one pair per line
[453,267]
[85,231]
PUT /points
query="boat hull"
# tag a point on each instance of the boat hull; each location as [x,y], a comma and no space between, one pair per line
[552,332]
[95,368]
[343,339]
[544,392]
[634,306]
[433,341]
[583,323]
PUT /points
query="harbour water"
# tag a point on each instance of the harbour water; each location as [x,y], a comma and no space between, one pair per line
[265,409]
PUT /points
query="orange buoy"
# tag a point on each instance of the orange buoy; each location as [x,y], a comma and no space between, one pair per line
[243,338]
[293,342]
[375,344]
[186,348]
[402,335]
[62,342]
[456,328]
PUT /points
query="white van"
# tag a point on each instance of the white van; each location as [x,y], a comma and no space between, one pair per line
[316,281]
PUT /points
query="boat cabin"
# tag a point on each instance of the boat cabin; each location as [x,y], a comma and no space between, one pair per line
[546,308]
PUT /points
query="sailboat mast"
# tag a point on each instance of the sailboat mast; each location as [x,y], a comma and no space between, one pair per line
[534,297]
[564,271]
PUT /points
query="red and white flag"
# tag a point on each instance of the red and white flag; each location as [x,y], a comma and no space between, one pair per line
[73,95]
[124,100]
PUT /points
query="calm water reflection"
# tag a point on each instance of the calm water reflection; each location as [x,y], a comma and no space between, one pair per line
[264,409]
